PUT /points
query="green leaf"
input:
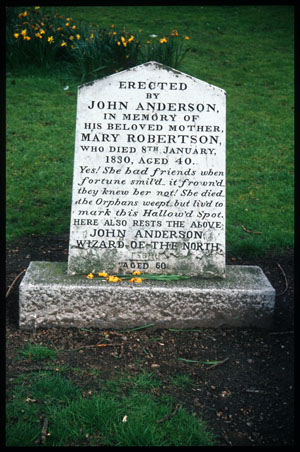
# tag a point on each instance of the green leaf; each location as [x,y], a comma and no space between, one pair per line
[196,361]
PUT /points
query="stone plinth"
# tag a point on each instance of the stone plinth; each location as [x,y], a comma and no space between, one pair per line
[51,298]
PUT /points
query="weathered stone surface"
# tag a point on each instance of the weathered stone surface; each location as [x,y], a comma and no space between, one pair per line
[149,175]
[49,297]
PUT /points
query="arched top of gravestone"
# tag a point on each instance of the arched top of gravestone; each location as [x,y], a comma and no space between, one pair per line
[151,71]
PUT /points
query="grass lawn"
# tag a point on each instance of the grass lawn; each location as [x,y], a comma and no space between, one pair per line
[246,50]
[126,410]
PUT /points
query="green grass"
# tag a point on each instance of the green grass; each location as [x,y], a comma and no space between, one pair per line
[246,50]
[181,381]
[37,353]
[122,412]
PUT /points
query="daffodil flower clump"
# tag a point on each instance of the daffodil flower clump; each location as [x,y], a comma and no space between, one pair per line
[169,50]
[45,38]
[34,25]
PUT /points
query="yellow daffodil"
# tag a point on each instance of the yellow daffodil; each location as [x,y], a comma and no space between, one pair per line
[16,35]
[92,36]
[131,38]
[37,7]
[67,24]
[74,27]
[186,38]
[63,44]
[27,38]
[23,32]
[123,39]
[163,40]
[136,272]
[118,43]
[136,280]
[42,31]
[50,40]
[104,274]
[77,36]
[38,35]
[71,38]
[25,14]
[90,276]
[113,279]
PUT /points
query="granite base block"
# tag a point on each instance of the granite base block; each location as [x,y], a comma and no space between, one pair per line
[51,298]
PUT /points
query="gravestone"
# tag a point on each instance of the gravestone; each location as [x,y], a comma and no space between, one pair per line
[149,175]
[148,195]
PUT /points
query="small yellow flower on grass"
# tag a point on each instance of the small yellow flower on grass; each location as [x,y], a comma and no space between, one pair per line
[67,24]
[77,36]
[42,31]
[163,40]
[74,27]
[71,38]
[90,276]
[136,280]
[27,38]
[118,43]
[23,32]
[50,40]
[136,272]
[113,279]
[104,274]
[92,36]
[63,44]
[16,35]
[186,38]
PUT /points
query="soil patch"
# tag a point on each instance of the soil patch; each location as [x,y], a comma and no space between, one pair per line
[247,399]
